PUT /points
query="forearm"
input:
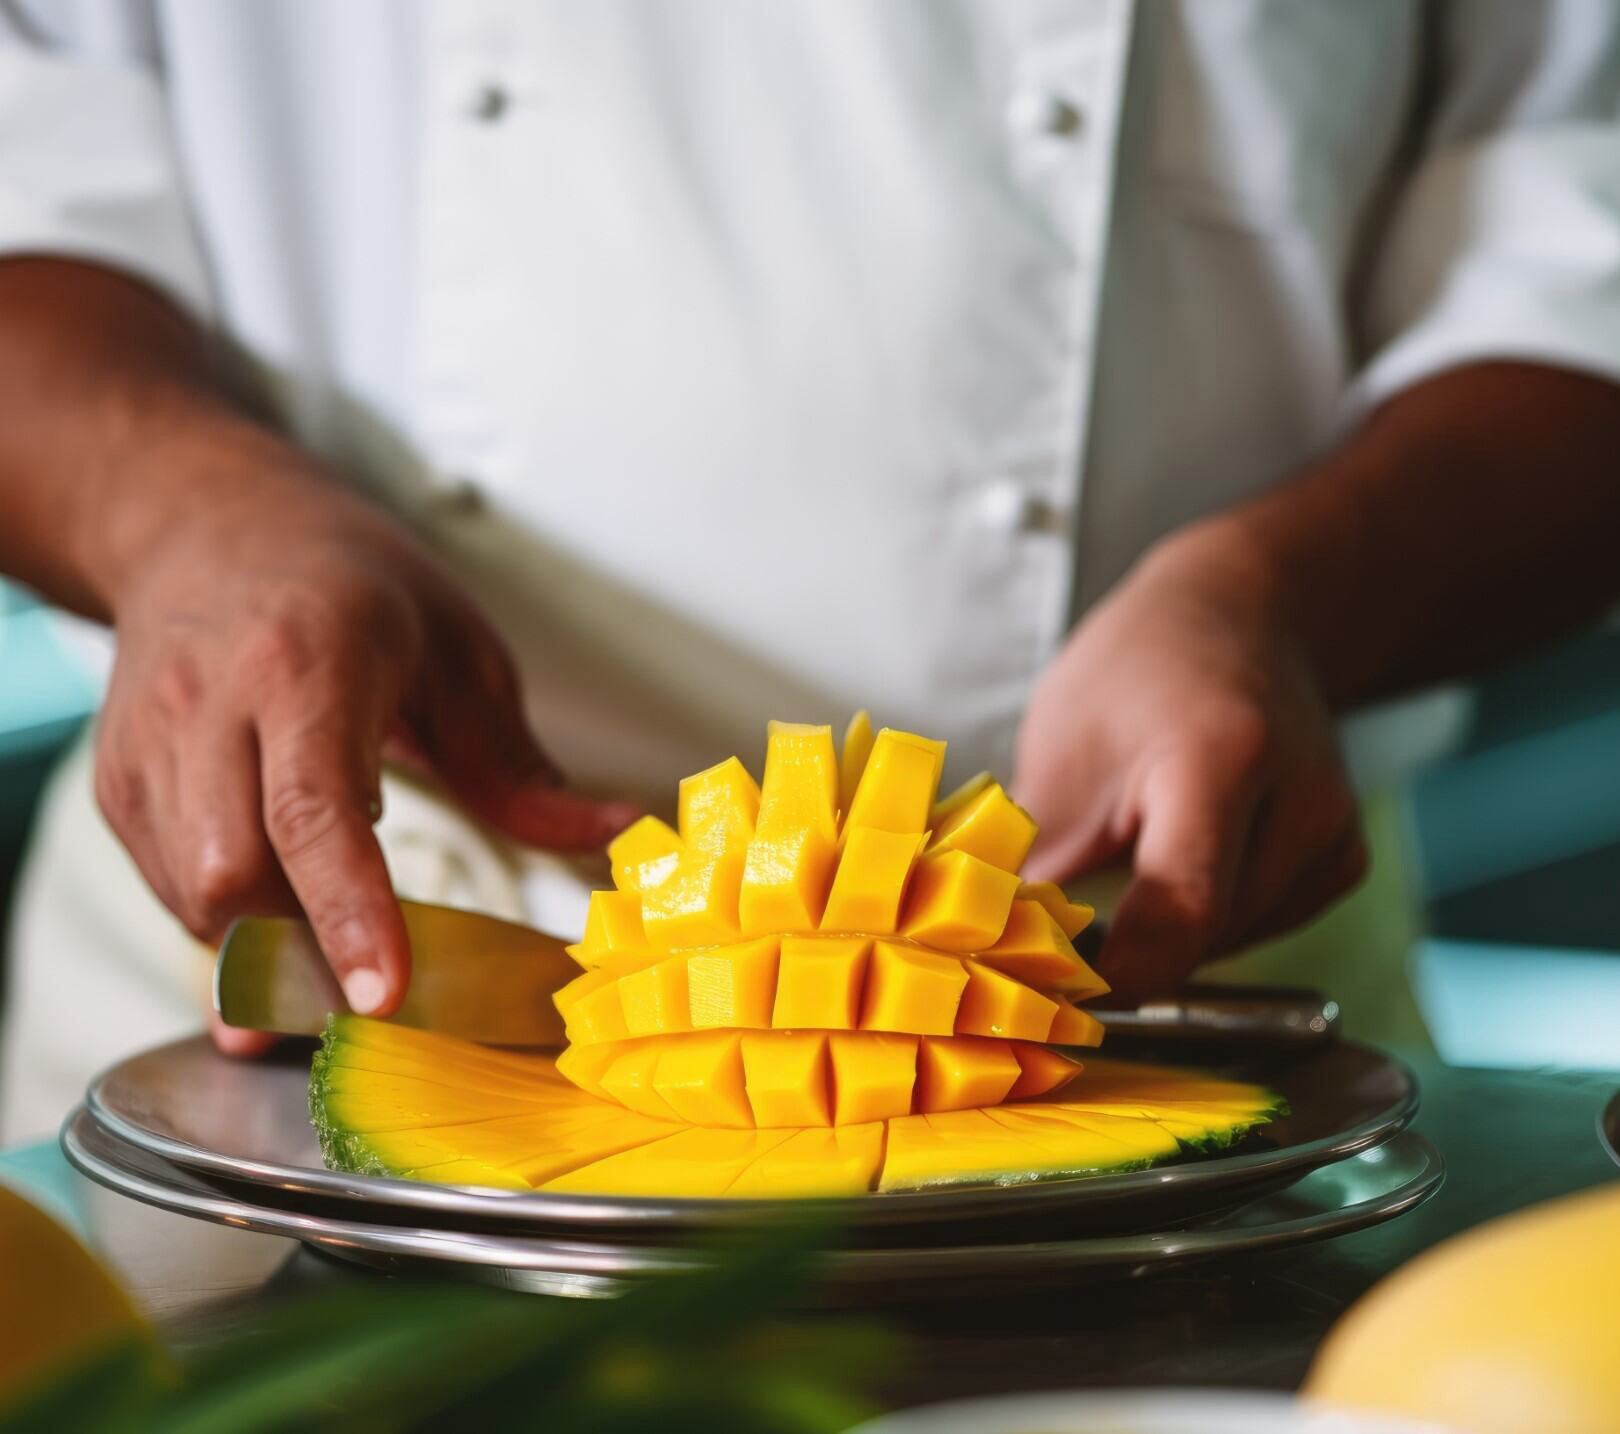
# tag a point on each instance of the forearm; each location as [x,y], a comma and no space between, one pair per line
[113,427]
[1472,516]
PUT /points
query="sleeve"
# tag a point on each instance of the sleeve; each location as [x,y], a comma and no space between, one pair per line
[1504,241]
[88,165]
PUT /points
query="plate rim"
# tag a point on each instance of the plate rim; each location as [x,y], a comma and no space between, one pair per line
[571,1258]
[907,1207]
[1608,1127]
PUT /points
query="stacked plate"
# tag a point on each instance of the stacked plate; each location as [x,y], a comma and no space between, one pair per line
[185,1129]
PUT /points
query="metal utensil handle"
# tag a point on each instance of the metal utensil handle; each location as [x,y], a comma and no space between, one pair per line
[1277,1016]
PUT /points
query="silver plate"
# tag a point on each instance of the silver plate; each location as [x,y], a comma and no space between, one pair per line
[1609,1128]
[1351,1194]
[248,1122]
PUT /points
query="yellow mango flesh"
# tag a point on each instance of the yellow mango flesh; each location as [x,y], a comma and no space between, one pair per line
[954,800]
[870,881]
[961,1072]
[734,986]
[1032,948]
[656,999]
[908,989]
[612,924]
[1073,1027]
[787,1078]
[994,1004]
[718,808]
[701,1076]
[872,1075]
[852,755]
[957,902]
[897,786]
[790,858]
[630,1080]
[697,904]
[820,982]
[644,854]
[988,825]
[517,1123]
[1072,917]
[1041,1071]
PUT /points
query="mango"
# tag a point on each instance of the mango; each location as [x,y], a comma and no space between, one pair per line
[898,783]
[958,902]
[988,825]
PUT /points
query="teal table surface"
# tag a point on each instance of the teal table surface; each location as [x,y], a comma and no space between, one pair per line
[1510,1139]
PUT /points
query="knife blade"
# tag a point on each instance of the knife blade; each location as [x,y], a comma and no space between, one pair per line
[472,976]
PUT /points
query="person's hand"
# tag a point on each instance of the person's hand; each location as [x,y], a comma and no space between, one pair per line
[268,647]
[1182,722]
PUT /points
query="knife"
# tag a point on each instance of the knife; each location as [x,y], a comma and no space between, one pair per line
[472,976]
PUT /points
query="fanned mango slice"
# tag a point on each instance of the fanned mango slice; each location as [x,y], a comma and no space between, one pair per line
[519,1124]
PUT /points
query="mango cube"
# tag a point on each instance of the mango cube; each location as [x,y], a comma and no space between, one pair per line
[990,826]
[1072,917]
[790,858]
[852,758]
[1033,948]
[996,1005]
[958,902]
[871,880]
[612,925]
[586,1065]
[911,990]
[655,1000]
[1041,1069]
[629,1080]
[590,1008]
[701,1076]
[957,798]
[1073,1027]
[872,1075]
[819,983]
[718,808]
[734,986]
[897,786]
[697,905]
[644,854]
[963,1072]
[786,1075]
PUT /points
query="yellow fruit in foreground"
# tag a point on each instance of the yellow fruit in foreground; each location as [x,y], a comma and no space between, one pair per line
[1512,1328]
[57,1303]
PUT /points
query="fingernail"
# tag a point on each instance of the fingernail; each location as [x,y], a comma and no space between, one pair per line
[365,990]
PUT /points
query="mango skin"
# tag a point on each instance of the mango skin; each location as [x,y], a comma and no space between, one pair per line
[1512,1326]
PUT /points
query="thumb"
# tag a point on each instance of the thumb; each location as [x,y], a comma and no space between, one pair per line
[479,742]
[1194,822]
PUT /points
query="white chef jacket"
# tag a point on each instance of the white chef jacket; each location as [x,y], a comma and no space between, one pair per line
[773,359]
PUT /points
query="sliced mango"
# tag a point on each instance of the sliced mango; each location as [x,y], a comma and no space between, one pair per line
[701,1076]
[872,1075]
[958,902]
[644,854]
[733,986]
[697,904]
[908,989]
[993,1004]
[819,982]
[612,925]
[630,1081]
[790,858]
[656,999]
[718,808]
[1072,917]
[897,787]
[852,756]
[989,825]
[871,879]
[1033,948]
[961,1072]
[957,798]
[842,1160]
[1041,1071]
[1073,1027]
[693,1163]
[786,1074]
